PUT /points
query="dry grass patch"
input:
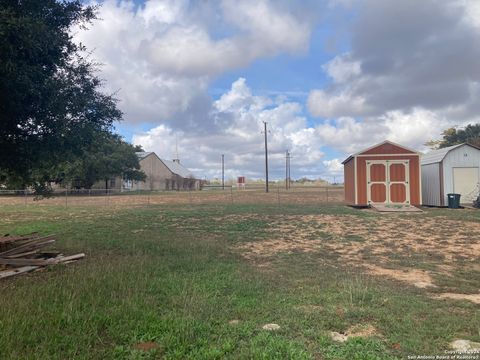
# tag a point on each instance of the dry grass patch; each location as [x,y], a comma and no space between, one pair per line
[409,248]
[362,330]
[475,298]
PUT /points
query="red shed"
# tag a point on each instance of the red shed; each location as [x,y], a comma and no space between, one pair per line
[386,173]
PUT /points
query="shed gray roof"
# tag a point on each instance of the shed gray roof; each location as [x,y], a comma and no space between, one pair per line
[173,166]
[436,156]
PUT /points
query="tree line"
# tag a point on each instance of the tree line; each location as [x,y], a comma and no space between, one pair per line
[453,136]
[56,124]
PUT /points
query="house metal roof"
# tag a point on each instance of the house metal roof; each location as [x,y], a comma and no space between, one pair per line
[173,166]
[436,156]
[142,155]
[178,169]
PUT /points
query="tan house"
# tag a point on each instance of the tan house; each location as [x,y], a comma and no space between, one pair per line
[162,175]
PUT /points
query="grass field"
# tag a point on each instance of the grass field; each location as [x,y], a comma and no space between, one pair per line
[188,281]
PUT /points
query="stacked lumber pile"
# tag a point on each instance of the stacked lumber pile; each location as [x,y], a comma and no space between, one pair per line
[21,254]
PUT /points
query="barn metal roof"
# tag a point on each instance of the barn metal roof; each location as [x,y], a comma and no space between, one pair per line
[178,169]
[143,154]
[173,166]
[436,156]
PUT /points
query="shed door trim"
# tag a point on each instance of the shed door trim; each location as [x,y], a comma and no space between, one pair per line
[388,183]
[382,155]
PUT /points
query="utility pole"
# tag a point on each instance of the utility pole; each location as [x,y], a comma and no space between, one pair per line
[289,177]
[266,157]
[223,172]
[287,170]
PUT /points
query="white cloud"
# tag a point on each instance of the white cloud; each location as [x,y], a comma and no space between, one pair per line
[345,103]
[472,11]
[341,68]
[411,129]
[415,128]
[412,71]
[241,115]
[161,56]
[334,166]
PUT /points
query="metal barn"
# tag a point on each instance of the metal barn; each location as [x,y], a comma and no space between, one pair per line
[453,169]
[386,173]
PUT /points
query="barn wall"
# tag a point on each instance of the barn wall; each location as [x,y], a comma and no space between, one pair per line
[157,174]
[349,180]
[457,158]
[431,187]
[414,170]
[387,149]
[114,183]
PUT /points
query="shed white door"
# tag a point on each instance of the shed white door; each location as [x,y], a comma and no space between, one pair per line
[388,182]
[465,183]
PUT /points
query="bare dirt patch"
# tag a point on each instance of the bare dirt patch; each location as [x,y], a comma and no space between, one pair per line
[475,298]
[146,346]
[358,330]
[362,330]
[392,245]
[418,278]
[309,308]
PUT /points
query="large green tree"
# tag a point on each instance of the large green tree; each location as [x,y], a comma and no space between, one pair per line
[453,136]
[51,105]
[107,156]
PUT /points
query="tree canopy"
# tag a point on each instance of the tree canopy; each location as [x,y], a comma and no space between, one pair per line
[106,157]
[52,108]
[454,136]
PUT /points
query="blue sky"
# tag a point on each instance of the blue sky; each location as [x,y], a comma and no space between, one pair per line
[330,77]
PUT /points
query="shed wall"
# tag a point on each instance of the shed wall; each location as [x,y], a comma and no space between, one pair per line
[464,156]
[387,149]
[349,180]
[431,187]
[414,170]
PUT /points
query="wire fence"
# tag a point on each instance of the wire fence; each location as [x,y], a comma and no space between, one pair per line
[250,194]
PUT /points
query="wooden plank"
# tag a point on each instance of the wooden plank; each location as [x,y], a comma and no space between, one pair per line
[10,239]
[69,258]
[28,246]
[25,245]
[22,262]
[18,271]
[21,255]
[40,262]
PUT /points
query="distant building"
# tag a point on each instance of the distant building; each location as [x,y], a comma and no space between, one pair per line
[162,175]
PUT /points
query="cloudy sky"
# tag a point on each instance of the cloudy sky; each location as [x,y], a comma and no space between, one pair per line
[329,77]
